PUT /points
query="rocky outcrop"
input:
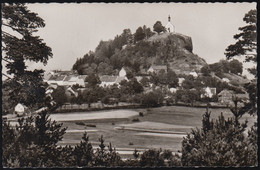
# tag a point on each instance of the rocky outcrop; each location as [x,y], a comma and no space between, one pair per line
[185,60]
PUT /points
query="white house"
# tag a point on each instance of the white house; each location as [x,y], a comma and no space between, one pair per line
[19,109]
[169,27]
[208,92]
[107,80]
[180,81]
[226,80]
[173,90]
[157,68]
[122,72]
[72,92]
[194,74]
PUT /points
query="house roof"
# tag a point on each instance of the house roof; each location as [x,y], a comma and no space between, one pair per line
[240,95]
[68,78]
[138,78]
[119,79]
[47,76]
[107,78]
[225,92]
[53,77]
[83,77]
[159,67]
[73,78]
[60,78]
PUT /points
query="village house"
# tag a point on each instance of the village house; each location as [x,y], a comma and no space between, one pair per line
[70,92]
[225,96]
[65,78]
[122,72]
[208,92]
[180,81]
[194,74]
[157,68]
[225,80]
[19,109]
[107,80]
[173,90]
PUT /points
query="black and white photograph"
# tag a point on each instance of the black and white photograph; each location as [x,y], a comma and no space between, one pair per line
[129,85]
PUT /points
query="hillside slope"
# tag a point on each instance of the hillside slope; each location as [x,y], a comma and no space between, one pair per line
[173,50]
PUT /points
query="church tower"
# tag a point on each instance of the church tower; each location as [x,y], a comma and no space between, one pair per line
[169,27]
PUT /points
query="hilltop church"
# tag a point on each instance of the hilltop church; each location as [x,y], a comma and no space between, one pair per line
[169,26]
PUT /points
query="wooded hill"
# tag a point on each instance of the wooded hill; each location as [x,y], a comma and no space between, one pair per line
[138,51]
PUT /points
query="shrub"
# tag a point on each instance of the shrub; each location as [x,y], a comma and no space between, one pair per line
[91,125]
[141,114]
[135,120]
[152,158]
[219,143]
[152,99]
[80,123]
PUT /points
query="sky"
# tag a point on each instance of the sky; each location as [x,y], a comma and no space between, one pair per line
[72,30]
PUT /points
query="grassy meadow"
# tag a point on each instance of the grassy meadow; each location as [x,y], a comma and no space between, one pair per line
[162,127]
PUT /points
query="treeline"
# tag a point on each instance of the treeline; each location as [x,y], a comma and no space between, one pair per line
[223,66]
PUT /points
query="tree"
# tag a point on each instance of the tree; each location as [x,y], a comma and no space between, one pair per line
[93,80]
[145,81]
[205,70]
[246,45]
[152,99]
[147,31]
[90,96]
[139,34]
[158,27]
[172,79]
[136,86]
[33,142]
[59,96]
[246,41]
[83,152]
[152,158]
[26,86]
[236,67]
[127,36]
[220,143]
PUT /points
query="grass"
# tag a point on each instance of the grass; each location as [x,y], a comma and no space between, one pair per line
[171,118]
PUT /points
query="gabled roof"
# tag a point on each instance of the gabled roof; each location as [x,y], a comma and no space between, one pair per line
[226,91]
[47,76]
[68,78]
[119,79]
[53,77]
[82,77]
[138,78]
[60,78]
[107,78]
[240,95]
[73,78]
[159,67]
